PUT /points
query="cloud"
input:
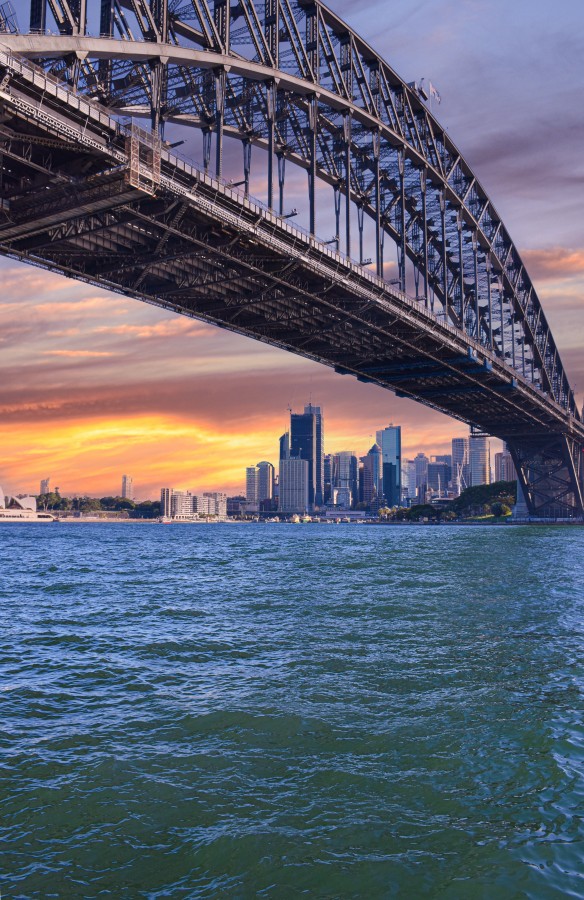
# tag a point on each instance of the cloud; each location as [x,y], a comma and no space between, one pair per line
[175,326]
[555,263]
[77,354]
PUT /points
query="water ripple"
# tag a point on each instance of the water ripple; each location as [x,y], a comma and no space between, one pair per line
[274,712]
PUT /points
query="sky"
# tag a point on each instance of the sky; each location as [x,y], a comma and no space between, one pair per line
[94,385]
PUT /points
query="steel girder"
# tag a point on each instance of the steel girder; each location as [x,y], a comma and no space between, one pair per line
[550,471]
[295,79]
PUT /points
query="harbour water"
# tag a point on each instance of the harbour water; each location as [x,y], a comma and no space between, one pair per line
[283,711]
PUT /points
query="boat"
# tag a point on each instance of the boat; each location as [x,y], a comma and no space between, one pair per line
[21,510]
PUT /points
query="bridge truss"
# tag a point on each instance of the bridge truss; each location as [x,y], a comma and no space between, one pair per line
[87,193]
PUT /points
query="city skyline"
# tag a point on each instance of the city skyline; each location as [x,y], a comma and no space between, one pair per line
[89,377]
[240,485]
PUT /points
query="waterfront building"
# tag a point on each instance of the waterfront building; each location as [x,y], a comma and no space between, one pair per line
[303,446]
[479,459]
[504,467]
[294,485]
[460,464]
[235,505]
[45,486]
[185,506]
[127,487]
[217,503]
[181,505]
[165,495]
[316,411]
[389,439]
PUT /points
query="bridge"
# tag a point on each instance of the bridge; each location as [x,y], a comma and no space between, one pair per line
[90,96]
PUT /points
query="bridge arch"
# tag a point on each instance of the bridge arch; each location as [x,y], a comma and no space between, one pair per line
[294,79]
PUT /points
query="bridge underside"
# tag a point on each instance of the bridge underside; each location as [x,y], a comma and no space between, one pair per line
[82,197]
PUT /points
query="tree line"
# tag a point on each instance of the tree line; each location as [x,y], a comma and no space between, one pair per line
[495,499]
[53,502]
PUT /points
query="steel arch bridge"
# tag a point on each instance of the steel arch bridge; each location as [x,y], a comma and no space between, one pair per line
[88,193]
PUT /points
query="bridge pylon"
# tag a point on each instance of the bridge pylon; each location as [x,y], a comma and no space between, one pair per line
[550,473]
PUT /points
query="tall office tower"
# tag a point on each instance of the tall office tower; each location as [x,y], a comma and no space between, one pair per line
[316,411]
[165,502]
[504,467]
[127,488]
[294,476]
[460,464]
[328,477]
[45,486]
[421,464]
[348,479]
[372,478]
[303,446]
[389,439]
[251,484]
[265,481]
[412,483]
[479,459]
[285,446]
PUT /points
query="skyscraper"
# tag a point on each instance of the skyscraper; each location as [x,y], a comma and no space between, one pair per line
[316,411]
[421,466]
[389,439]
[303,446]
[504,467]
[460,464]
[45,486]
[480,459]
[251,484]
[265,481]
[328,477]
[348,479]
[127,487]
[372,468]
[293,486]
[285,446]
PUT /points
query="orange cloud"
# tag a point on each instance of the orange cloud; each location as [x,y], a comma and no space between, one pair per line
[557,262]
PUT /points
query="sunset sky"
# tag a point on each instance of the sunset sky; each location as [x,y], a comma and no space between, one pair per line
[93,385]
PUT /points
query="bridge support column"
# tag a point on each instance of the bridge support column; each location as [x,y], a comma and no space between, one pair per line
[488,267]
[378,247]
[246,165]
[444,255]
[219,119]
[423,179]
[347,141]
[312,136]
[550,471]
[281,180]
[271,118]
[402,246]
[38,16]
